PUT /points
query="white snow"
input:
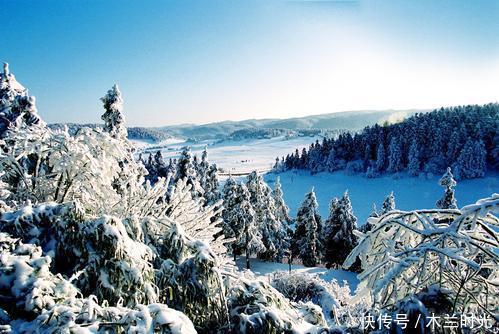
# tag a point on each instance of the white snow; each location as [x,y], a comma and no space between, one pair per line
[262,268]
[411,193]
[238,157]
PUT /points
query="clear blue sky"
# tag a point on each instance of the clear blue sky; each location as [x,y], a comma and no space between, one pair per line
[203,61]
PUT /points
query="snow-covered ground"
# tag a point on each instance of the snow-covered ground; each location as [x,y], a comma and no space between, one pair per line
[239,157]
[262,268]
[410,193]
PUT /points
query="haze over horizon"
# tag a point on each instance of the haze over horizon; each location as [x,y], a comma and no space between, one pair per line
[203,62]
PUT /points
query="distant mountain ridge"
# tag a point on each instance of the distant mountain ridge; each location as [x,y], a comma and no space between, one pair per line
[346,120]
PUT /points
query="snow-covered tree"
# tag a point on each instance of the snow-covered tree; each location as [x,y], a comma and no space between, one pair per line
[448,201]
[340,229]
[114,121]
[230,224]
[452,252]
[414,164]
[274,232]
[388,204]
[96,248]
[197,220]
[250,241]
[281,209]
[188,170]
[17,108]
[211,185]
[472,160]
[395,163]
[305,243]
[380,158]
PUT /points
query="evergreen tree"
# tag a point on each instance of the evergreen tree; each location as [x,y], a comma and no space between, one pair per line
[388,204]
[211,186]
[250,239]
[305,243]
[281,209]
[340,227]
[17,108]
[448,201]
[274,232]
[202,168]
[414,165]
[381,158]
[114,121]
[187,169]
[231,226]
[395,164]
[472,160]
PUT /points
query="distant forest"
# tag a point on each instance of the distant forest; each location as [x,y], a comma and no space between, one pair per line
[464,138]
[141,133]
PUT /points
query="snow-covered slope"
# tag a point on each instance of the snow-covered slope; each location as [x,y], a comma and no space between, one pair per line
[238,157]
[410,193]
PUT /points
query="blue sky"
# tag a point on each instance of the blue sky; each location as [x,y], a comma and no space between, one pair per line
[202,61]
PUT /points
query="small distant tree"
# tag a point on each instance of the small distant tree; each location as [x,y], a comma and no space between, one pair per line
[448,201]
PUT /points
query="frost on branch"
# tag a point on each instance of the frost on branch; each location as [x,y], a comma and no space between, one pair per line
[26,284]
[449,250]
[87,316]
[256,307]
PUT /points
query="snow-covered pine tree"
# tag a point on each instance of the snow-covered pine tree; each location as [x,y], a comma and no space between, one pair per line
[381,158]
[230,224]
[472,161]
[414,164]
[281,209]
[340,237]
[202,167]
[395,163]
[211,185]
[332,161]
[17,108]
[388,204]
[188,170]
[305,243]
[274,232]
[250,239]
[114,121]
[448,201]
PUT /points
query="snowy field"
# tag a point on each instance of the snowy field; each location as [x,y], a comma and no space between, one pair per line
[410,193]
[262,268]
[241,157]
[238,157]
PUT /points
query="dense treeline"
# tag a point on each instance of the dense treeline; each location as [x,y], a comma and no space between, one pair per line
[140,133]
[464,138]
